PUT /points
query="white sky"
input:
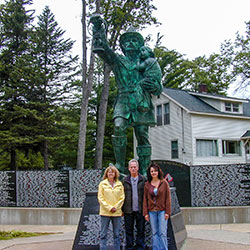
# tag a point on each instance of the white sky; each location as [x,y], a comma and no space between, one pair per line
[191,27]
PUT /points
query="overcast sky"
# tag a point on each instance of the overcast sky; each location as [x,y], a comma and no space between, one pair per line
[191,27]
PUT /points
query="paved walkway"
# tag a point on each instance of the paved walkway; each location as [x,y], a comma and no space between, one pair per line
[218,237]
[200,237]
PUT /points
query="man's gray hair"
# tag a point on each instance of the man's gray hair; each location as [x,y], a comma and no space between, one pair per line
[133,160]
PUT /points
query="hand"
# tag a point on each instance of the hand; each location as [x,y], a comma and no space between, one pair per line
[113,210]
[147,217]
[166,216]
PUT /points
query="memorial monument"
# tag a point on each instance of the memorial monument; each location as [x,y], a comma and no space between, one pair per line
[138,76]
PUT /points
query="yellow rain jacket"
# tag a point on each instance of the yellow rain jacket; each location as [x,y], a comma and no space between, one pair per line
[109,197]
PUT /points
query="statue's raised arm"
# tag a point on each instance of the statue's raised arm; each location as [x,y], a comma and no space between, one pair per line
[100,42]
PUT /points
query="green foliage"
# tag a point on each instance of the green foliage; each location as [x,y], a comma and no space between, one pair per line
[52,53]
[64,149]
[15,69]
[4,160]
[182,73]
[175,69]
[211,72]
[30,160]
[57,69]
[36,72]
[237,57]
[108,154]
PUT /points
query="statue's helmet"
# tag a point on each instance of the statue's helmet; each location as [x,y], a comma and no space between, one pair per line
[131,32]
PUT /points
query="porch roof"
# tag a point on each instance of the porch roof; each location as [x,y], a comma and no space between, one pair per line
[246,135]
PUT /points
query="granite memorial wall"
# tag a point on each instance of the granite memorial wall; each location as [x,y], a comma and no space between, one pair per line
[219,185]
[65,188]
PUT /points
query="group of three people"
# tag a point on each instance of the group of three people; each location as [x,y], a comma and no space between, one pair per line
[138,200]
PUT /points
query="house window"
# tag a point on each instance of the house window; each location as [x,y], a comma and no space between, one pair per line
[248,148]
[206,148]
[166,114]
[232,107]
[235,107]
[162,114]
[159,115]
[231,147]
[174,149]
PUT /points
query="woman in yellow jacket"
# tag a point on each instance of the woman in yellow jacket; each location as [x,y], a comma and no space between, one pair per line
[111,197]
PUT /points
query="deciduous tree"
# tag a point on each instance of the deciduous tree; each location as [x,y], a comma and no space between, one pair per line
[237,55]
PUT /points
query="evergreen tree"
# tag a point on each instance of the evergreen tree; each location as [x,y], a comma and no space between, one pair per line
[15,71]
[36,70]
[63,150]
[57,69]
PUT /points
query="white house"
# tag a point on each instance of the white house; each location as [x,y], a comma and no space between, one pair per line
[200,128]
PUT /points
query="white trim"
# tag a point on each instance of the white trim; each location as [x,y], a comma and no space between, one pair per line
[221,115]
[219,97]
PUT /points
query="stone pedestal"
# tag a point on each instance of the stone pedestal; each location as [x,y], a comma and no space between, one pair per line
[87,235]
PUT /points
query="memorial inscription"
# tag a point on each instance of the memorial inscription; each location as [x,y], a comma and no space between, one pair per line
[40,189]
[8,189]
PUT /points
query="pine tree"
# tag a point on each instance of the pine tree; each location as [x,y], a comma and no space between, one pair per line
[57,69]
[36,70]
[15,71]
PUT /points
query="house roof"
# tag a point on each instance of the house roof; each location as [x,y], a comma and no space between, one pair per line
[194,103]
[246,135]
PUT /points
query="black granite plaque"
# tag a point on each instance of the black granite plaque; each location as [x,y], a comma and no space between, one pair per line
[87,238]
[245,184]
[181,174]
[62,187]
[8,189]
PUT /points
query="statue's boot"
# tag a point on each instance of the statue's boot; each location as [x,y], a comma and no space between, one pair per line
[119,145]
[144,153]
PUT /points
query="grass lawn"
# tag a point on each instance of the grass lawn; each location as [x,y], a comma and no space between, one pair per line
[7,235]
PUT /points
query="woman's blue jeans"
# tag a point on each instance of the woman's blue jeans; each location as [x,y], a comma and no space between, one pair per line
[116,222]
[159,227]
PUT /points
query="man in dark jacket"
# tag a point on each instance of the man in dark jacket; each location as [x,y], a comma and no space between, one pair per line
[132,207]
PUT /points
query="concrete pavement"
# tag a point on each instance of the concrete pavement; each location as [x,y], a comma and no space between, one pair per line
[218,237]
[200,237]
[61,238]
